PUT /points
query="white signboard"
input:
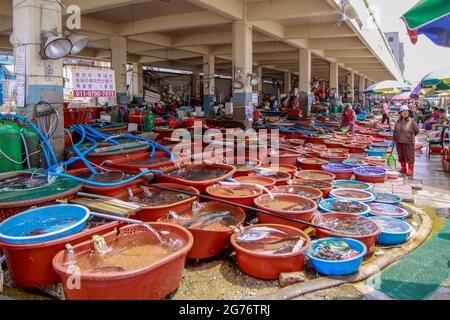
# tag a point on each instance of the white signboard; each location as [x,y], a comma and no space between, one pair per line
[93,82]
[20,71]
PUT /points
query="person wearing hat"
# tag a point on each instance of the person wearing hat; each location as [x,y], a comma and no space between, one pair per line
[405,132]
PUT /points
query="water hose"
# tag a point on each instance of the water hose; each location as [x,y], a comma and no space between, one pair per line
[242,206]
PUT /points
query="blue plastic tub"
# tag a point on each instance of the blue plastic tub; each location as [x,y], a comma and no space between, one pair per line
[352,184]
[326,206]
[391,198]
[361,117]
[44,224]
[338,267]
[369,171]
[390,236]
[375,152]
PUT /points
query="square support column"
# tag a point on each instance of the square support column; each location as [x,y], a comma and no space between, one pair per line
[260,87]
[196,85]
[287,82]
[362,87]
[305,71]
[242,66]
[138,82]
[208,83]
[39,79]
[351,86]
[119,64]
[334,77]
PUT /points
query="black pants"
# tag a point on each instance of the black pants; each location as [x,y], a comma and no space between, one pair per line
[387,119]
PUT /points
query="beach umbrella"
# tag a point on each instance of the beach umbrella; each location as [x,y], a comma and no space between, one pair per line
[415,93]
[436,77]
[402,96]
[388,86]
[430,18]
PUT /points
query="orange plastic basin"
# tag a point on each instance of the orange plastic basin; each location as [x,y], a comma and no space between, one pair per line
[269,267]
[315,175]
[239,194]
[153,213]
[369,240]
[209,243]
[287,168]
[307,192]
[135,162]
[199,185]
[324,186]
[263,181]
[282,180]
[240,172]
[153,282]
[311,163]
[287,200]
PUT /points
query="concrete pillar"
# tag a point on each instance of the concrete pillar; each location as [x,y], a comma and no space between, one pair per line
[138,82]
[243,65]
[260,87]
[334,77]
[119,64]
[196,84]
[208,83]
[287,82]
[305,71]
[362,87]
[351,86]
[40,80]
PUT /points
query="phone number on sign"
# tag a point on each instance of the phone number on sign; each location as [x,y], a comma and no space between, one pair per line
[93,93]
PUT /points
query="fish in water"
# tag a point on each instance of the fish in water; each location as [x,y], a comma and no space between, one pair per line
[258,233]
[269,242]
[108,269]
[209,218]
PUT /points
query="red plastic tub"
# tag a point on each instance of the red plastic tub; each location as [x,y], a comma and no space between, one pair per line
[236,194]
[287,168]
[106,191]
[281,178]
[285,157]
[263,202]
[210,243]
[369,240]
[316,175]
[336,157]
[199,185]
[269,267]
[153,213]
[135,162]
[307,192]
[311,163]
[150,283]
[267,182]
[242,169]
[324,186]
[31,265]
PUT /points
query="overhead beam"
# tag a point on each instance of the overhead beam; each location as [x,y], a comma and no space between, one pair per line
[213,38]
[336,43]
[91,6]
[259,47]
[98,26]
[153,38]
[228,9]
[172,22]
[287,9]
[359,60]
[6,24]
[355,53]
[161,55]
[135,46]
[276,30]
[318,31]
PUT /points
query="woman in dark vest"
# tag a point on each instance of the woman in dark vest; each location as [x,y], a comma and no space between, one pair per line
[405,132]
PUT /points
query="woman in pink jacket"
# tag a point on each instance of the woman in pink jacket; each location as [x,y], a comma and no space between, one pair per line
[348,118]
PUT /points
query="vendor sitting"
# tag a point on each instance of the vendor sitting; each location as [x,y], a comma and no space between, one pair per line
[348,118]
[433,120]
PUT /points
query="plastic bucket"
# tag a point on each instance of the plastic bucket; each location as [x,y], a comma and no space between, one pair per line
[337,267]
[30,265]
[324,186]
[315,175]
[391,237]
[307,192]
[269,267]
[369,240]
[153,282]
[44,224]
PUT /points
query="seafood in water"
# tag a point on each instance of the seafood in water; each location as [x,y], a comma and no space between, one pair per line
[334,250]
[257,234]
[348,206]
[350,226]
[198,174]
[208,219]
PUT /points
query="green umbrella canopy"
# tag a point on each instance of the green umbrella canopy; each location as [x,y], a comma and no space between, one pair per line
[426,11]
[438,76]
